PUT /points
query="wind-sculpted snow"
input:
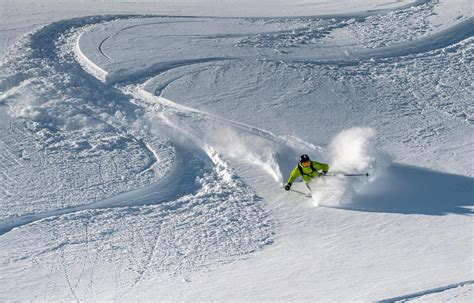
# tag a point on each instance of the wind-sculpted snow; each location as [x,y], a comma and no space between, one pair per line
[372,30]
[395,27]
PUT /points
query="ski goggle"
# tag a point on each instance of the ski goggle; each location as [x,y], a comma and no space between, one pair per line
[306,164]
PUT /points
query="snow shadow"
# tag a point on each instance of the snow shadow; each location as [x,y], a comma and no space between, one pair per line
[413,190]
[424,293]
[286,160]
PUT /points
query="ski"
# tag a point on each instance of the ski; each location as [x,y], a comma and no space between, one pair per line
[301,193]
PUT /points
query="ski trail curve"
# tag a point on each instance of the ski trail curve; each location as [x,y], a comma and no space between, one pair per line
[165,189]
[151,98]
[340,55]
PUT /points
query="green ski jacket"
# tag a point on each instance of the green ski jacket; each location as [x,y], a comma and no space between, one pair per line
[308,172]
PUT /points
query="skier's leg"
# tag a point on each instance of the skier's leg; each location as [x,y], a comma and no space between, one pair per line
[311,194]
[309,188]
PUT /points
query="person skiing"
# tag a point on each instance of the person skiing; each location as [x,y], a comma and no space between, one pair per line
[308,170]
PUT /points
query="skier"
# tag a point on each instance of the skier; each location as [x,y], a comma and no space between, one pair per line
[308,170]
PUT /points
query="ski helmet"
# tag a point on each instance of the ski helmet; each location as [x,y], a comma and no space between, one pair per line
[304,158]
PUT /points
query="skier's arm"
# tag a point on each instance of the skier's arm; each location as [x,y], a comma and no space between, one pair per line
[325,167]
[294,174]
[321,166]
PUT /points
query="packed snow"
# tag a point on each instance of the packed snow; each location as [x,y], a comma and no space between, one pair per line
[145,145]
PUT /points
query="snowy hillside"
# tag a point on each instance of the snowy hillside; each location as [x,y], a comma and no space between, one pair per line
[144,147]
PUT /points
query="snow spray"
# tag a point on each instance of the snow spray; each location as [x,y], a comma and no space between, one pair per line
[249,148]
[351,151]
[238,144]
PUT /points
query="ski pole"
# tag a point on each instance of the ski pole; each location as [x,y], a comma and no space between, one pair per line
[349,175]
[357,175]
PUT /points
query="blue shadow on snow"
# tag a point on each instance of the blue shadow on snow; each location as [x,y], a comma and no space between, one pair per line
[412,190]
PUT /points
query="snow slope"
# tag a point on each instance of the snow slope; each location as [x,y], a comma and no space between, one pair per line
[142,156]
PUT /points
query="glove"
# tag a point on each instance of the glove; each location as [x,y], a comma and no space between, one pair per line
[322,173]
[288,186]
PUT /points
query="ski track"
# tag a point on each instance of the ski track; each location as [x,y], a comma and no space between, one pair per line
[101,44]
[421,294]
[439,40]
[162,191]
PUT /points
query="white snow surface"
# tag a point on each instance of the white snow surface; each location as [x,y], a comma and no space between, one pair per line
[144,147]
